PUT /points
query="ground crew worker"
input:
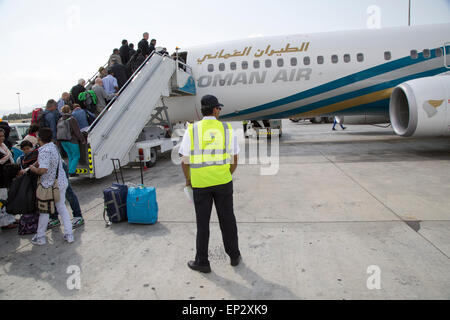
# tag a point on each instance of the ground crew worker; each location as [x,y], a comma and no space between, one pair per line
[210,155]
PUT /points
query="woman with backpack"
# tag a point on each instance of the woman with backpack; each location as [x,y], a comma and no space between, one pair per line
[70,136]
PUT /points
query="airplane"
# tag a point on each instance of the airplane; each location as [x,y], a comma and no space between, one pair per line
[400,73]
[387,72]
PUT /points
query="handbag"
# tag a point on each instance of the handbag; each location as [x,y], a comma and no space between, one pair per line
[47,197]
[21,196]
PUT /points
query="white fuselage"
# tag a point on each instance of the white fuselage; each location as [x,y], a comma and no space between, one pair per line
[358,73]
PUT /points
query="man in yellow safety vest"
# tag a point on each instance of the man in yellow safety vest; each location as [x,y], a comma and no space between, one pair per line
[210,156]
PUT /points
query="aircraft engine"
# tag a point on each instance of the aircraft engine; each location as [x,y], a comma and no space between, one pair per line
[421,107]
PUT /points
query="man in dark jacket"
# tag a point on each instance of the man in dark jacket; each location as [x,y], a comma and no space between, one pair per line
[143,45]
[136,61]
[124,52]
[152,46]
[76,90]
[120,73]
[132,51]
[51,116]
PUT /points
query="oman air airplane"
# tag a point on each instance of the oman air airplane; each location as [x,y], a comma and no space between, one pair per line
[392,71]
[399,73]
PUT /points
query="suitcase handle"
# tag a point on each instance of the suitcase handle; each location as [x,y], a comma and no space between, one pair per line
[119,169]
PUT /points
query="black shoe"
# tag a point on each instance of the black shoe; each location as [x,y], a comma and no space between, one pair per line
[74,175]
[196,267]
[235,262]
[334,129]
[344,128]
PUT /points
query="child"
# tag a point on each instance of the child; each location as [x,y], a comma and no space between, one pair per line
[29,156]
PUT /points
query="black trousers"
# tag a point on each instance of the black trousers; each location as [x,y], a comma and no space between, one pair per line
[222,196]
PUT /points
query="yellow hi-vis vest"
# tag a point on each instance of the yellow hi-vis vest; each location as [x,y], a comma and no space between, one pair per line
[210,153]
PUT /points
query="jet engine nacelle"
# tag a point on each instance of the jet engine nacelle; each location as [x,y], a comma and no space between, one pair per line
[421,107]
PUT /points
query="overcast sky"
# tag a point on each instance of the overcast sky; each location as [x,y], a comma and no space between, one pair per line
[47,45]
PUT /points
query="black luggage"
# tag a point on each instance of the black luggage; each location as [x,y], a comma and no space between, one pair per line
[115,198]
[21,196]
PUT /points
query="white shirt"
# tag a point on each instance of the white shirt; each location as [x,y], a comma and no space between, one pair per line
[185,148]
[49,159]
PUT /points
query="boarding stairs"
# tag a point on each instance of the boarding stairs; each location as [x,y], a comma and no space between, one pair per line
[140,102]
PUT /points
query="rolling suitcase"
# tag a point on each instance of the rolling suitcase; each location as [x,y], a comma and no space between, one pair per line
[115,198]
[142,207]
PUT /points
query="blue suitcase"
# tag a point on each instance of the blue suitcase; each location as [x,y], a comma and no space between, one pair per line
[142,207]
[115,198]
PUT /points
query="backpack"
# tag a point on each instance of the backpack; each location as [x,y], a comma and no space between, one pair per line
[38,116]
[63,130]
[88,97]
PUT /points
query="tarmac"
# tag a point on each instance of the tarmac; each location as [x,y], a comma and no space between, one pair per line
[355,214]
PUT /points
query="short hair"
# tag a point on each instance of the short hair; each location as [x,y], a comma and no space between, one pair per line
[131,45]
[124,42]
[115,50]
[145,34]
[207,110]
[33,128]
[51,103]
[81,81]
[65,109]
[26,143]
[110,71]
[76,105]
[153,40]
[45,134]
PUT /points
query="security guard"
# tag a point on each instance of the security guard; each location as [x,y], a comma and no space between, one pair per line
[210,153]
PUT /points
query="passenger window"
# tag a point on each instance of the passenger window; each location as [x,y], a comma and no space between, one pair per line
[280,62]
[347,58]
[334,59]
[268,63]
[210,67]
[222,67]
[320,59]
[244,65]
[360,57]
[293,62]
[256,64]
[439,52]
[307,61]
[426,53]
[387,56]
[233,66]
[414,54]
